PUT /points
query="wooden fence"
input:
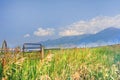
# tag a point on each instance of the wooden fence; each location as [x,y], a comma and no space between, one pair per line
[28,47]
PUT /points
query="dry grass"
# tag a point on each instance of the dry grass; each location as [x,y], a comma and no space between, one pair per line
[67,64]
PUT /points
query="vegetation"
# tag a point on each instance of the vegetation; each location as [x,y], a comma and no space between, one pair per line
[101,63]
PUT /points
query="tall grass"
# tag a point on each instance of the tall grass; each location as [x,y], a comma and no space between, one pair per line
[66,64]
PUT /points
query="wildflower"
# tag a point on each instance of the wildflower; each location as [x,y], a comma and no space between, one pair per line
[76,76]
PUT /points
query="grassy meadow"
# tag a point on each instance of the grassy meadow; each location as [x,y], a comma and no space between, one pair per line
[102,63]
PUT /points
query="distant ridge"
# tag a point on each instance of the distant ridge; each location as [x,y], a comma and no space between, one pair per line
[105,37]
[109,34]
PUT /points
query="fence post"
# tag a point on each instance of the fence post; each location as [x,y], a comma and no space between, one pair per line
[23,49]
[42,52]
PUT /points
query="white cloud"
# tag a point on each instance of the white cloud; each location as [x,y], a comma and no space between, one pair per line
[26,35]
[44,32]
[91,26]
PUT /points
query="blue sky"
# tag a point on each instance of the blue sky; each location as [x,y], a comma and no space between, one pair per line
[36,20]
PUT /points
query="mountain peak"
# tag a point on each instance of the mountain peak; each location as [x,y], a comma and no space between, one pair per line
[111,28]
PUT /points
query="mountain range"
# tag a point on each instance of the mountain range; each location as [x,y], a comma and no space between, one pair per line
[107,36]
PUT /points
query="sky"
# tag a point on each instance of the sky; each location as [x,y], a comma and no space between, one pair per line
[38,20]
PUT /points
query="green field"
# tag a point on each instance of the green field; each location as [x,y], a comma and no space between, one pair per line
[102,63]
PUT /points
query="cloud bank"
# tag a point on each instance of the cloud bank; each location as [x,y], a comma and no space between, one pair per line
[44,32]
[90,26]
[26,35]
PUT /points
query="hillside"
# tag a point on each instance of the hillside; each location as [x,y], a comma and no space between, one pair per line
[107,36]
